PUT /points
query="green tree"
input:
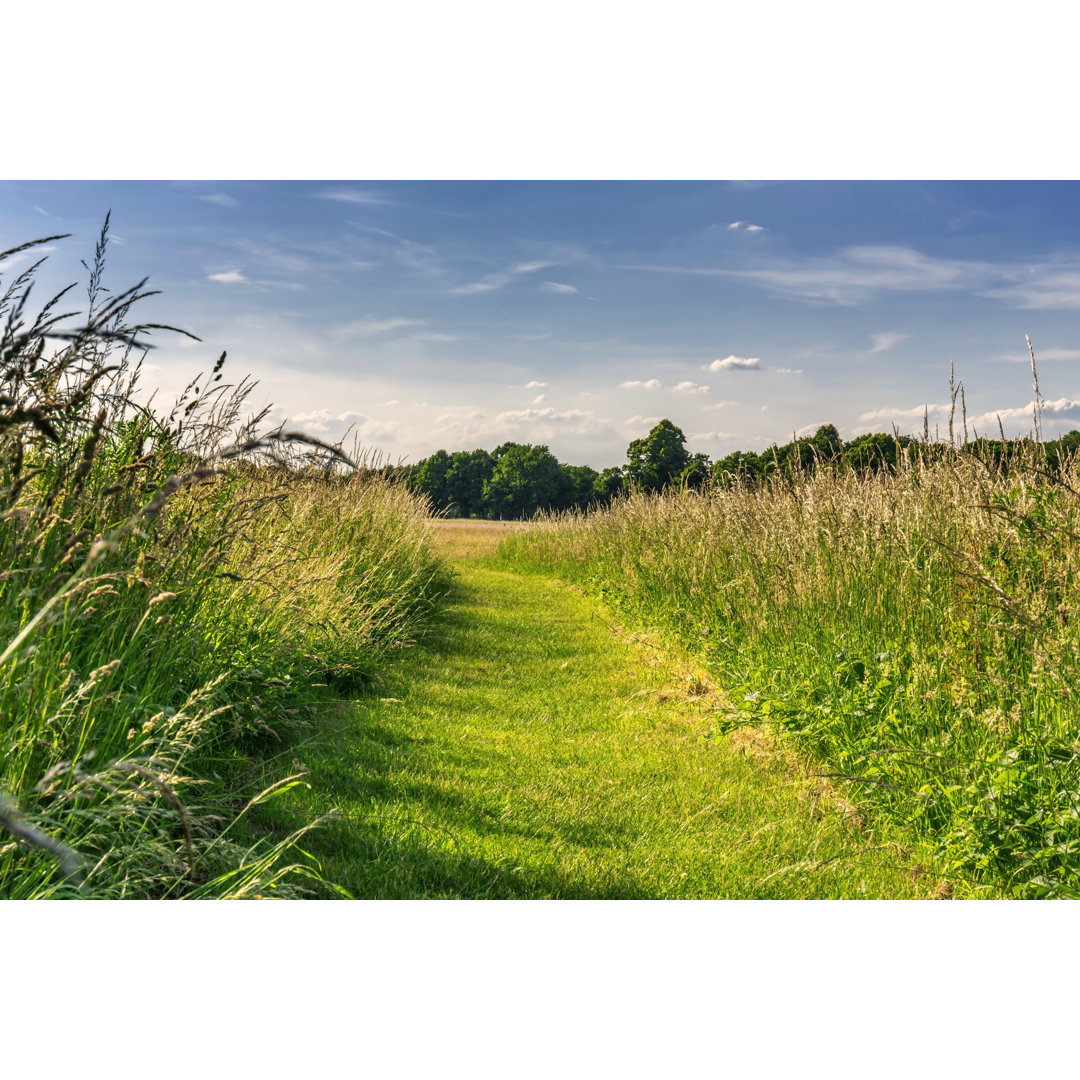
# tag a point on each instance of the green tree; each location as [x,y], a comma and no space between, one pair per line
[659,459]
[429,478]
[465,479]
[742,465]
[608,485]
[582,485]
[526,479]
[696,474]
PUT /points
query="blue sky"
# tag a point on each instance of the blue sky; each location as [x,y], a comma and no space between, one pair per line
[437,314]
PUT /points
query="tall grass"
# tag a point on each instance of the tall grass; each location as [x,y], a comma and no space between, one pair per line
[173,589]
[919,632]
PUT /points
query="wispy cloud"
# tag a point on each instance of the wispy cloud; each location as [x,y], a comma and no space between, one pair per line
[886,340]
[710,436]
[720,404]
[219,198]
[485,284]
[228,277]
[855,275]
[370,327]
[430,336]
[638,384]
[356,196]
[491,282]
[789,371]
[863,273]
[735,363]
[532,384]
[1047,287]
[1041,355]
[688,387]
[547,414]
[904,414]
[326,420]
[408,253]
[746,226]
[556,287]
[963,220]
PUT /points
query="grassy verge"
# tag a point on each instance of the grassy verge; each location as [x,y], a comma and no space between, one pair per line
[528,748]
[174,591]
[917,632]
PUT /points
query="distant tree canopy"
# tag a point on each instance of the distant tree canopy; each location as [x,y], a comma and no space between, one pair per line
[658,459]
[516,480]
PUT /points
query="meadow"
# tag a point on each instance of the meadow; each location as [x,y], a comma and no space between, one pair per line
[238,662]
[181,593]
[914,632]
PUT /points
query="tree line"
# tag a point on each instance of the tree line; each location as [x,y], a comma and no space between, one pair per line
[516,480]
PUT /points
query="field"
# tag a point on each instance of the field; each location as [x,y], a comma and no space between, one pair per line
[915,633]
[238,662]
[178,594]
[531,748]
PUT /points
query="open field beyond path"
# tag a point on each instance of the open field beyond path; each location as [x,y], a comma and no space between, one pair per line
[530,748]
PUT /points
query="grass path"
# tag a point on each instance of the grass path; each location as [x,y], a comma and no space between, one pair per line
[529,749]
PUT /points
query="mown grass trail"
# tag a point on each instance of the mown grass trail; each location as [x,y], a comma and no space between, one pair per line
[527,748]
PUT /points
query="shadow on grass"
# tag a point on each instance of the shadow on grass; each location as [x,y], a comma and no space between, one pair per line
[389,783]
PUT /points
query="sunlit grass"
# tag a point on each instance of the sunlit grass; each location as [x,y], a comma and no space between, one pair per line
[917,633]
[529,748]
[175,591]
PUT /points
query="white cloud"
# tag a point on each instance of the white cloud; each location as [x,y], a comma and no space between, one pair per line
[861,273]
[229,277]
[291,286]
[886,340]
[369,327]
[637,384]
[637,422]
[1061,409]
[789,371]
[487,284]
[730,363]
[746,226]
[1045,354]
[546,414]
[326,421]
[688,387]
[220,199]
[857,274]
[536,400]
[434,337]
[358,197]
[1048,288]
[721,404]
[532,384]
[904,414]
[491,282]
[710,436]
